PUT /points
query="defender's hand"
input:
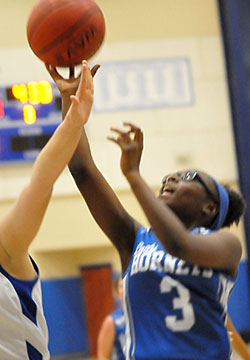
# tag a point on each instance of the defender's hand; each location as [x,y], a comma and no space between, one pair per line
[68,86]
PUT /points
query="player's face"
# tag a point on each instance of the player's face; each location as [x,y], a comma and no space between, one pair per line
[187,189]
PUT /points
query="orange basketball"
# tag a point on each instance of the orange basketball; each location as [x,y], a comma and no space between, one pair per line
[65,32]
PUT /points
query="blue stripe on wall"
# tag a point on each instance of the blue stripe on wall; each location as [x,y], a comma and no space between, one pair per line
[65,315]
[238,306]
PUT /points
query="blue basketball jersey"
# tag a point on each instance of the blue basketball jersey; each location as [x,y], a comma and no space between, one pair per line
[173,309]
[119,339]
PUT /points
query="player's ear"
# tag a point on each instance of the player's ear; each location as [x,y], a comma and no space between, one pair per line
[210,208]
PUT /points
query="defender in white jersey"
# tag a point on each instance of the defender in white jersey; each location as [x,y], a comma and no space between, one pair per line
[179,276]
[23,330]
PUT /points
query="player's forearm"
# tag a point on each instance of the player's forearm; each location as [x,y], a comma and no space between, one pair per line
[82,158]
[66,101]
[82,155]
[55,155]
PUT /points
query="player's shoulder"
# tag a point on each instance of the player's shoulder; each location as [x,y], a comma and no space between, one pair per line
[231,239]
[223,233]
[108,323]
[228,237]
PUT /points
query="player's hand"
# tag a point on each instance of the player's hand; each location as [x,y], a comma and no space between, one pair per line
[131,144]
[82,101]
[68,86]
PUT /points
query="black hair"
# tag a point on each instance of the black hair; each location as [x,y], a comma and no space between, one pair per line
[236,208]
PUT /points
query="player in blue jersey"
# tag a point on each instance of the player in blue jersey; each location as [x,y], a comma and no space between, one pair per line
[23,330]
[111,337]
[176,281]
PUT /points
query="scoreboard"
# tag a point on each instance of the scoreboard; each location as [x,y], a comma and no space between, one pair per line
[22,105]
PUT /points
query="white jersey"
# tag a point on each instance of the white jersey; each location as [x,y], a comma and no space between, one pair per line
[23,329]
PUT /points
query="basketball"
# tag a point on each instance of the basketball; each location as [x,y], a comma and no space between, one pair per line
[65,32]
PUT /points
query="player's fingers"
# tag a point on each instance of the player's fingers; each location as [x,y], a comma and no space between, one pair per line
[132,126]
[117,141]
[94,69]
[47,66]
[50,70]
[112,139]
[74,100]
[53,72]
[89,79]
[84,78]
[120,132]
[123,136]
[71,72]
[85,88]
[139,136]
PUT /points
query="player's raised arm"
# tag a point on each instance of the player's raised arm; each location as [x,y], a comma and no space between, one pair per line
[104,205]
[20,225]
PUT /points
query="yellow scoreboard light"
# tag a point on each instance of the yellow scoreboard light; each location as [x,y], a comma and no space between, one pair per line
[39,92]
[20,93]
[33,93]
[29,114]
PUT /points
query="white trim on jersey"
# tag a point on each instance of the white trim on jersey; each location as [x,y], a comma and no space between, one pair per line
[129,333]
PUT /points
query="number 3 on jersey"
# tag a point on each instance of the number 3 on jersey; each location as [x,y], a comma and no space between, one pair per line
[180,302]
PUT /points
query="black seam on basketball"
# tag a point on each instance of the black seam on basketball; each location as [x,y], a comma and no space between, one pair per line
[67,33]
